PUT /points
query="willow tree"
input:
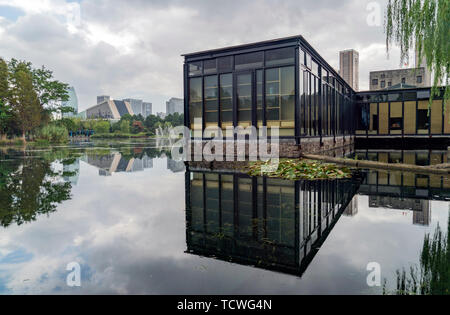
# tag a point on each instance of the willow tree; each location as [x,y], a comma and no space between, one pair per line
[422,25]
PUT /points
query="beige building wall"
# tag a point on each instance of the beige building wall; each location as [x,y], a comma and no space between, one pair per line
[418,77]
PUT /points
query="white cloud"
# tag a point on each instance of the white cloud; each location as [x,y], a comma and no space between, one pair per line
[132,48]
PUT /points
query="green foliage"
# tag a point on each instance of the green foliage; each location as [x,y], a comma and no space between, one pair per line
[300,169]
[24,101]
[50,92]
[28,189]
[102,126]
[124,126]
[423,25]
[53,134]
[433,275]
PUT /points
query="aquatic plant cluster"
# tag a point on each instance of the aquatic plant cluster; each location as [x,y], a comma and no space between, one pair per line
[294,169]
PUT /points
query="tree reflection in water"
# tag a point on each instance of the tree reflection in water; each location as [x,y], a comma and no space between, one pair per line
[30,187]
[432,277]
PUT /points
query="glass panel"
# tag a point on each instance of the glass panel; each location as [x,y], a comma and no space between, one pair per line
[247,61]
[361,119]
[244,99]
[315,69]
[212,203]
[226,100]
[423,121]
[383,118]
[225,63]
[195,103]
[280,56]
[227,203]
[197,201]
[195,68]
[211,101]
[280,99]
[245,206]
[396,118]
[259,98]
[436,117]
[210,66]
[410,118]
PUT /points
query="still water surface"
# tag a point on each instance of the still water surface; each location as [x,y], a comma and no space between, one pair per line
[139,223]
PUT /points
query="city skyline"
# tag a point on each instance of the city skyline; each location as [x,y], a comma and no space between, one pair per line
[93,44]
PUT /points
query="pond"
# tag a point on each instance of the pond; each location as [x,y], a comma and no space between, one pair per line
[138,222]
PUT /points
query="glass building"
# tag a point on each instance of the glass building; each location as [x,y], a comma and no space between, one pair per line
[285,83]
[281,83]
[72,102]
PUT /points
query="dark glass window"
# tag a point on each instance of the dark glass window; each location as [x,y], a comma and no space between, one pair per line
[248,61]
[403,80]
[375,82]
[383,84]
[226,99]
[383,76]
[195,68]
[389,83]
[225,63]
[409,96]
[211,100]
[419,79]
[423,94]
[422,119]
[210,66]
[280,56]
[394,97]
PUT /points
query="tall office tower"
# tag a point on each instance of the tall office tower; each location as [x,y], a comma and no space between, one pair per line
[174,105]
[349,67]
[136,105]
[72,102]
[146,109]
[103,98]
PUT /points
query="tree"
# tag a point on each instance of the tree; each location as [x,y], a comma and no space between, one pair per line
[5,109]
[50,92]
[423,25]
[25,102]
[125,126]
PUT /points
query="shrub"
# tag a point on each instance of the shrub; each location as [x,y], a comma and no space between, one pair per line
[53,134]
[102,126]
[125,126]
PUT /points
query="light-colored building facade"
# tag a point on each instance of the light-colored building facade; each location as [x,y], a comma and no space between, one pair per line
[401,78]
[103,98]
[110,109]
[174,105]
[349,67]
[419,76]
[140,107]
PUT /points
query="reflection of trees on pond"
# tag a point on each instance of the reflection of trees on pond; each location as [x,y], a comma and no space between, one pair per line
[28,188]
[432,277]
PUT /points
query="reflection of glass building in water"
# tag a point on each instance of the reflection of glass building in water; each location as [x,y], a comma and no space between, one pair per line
[269,223]
[72,102]
[420,207]
[175,166]
[115,162]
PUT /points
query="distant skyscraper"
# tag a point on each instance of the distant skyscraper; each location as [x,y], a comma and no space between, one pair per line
[349,67]
[147,108]
[103,98]
[72,102]
[174,105]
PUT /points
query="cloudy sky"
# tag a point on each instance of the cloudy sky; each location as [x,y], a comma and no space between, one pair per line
[132,48]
